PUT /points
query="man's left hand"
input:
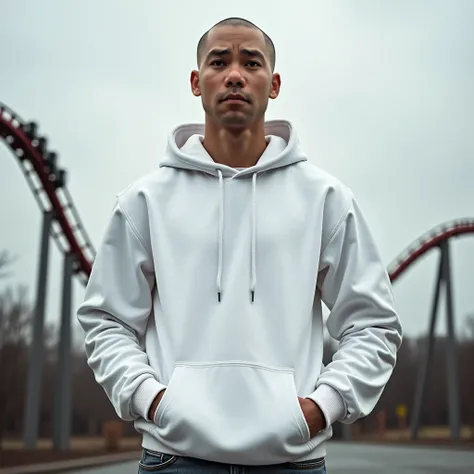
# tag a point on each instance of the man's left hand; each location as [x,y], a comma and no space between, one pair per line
[313,414]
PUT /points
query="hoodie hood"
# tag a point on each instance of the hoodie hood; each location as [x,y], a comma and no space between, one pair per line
[185,151]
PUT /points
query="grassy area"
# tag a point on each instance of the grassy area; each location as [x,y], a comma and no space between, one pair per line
[77,443]
[431,432]
[12,452]
[426,435]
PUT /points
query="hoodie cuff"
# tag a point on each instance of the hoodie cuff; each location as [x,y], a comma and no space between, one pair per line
[330,402]
[144,396]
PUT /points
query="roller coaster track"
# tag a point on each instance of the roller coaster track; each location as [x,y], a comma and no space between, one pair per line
[428,241]
[67,228]
[70,234]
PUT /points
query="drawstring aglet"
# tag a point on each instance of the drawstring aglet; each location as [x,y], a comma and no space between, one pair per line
[253,295]
[219,296]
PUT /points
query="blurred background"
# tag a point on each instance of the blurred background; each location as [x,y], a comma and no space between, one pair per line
[381,96]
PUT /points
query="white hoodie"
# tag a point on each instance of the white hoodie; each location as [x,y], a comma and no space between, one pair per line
[209,281]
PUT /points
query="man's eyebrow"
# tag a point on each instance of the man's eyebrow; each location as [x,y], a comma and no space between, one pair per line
[219,52]
[253,53]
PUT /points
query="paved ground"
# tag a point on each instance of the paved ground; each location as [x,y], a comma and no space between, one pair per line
[346,458]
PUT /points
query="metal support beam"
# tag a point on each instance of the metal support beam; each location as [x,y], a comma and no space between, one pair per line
[35,365]
[426,363]
[444,277]
[62,405]
[451,350]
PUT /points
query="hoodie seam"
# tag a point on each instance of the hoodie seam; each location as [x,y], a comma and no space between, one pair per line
[234,363]
[197,166]
[336,228]
[134,229]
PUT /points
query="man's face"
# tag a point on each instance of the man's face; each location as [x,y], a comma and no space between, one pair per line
[235,78]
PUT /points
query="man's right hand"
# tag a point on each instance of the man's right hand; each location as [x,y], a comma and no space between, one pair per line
[154,405]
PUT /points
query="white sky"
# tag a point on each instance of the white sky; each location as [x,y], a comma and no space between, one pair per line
[380,93]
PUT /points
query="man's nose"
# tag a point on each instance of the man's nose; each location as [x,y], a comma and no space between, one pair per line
[235,77]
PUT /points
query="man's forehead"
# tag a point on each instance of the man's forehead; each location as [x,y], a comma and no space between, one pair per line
[226,36]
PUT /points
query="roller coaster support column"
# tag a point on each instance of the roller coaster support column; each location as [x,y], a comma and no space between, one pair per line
[451,349]
[62,405]
[35,365]
[444,276]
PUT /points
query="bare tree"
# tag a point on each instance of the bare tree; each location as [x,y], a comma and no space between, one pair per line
[6,259]
[469,326]
[15,322]
[15,316]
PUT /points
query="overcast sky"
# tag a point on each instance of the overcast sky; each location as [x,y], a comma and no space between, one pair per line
[380,93]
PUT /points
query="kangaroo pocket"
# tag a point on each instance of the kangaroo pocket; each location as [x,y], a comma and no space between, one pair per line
[232,413]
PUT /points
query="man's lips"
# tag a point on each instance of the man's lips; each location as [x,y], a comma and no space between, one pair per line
[234,98]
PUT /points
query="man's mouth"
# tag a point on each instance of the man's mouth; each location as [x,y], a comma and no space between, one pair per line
[234,98]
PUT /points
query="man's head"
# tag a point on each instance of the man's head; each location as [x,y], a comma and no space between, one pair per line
[235,77]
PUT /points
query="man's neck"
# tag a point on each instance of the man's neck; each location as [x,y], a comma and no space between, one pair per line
[238,150]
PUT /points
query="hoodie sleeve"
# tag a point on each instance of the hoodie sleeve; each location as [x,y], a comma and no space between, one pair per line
[355,286]
[114,317]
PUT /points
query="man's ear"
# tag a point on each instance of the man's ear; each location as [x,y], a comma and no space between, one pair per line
[276,86]
[195,89]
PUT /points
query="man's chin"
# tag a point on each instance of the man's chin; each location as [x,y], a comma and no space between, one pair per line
[235,119]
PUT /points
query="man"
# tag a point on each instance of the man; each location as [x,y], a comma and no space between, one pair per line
[202,314]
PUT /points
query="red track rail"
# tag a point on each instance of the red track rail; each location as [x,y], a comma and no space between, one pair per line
[70,234]
[428,241]
[73,231]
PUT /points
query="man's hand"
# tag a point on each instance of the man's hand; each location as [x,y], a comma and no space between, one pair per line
[154,405]
[313,414]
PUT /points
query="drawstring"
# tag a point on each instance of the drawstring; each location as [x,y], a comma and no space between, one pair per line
[253,264]
[254,237]
[221,237]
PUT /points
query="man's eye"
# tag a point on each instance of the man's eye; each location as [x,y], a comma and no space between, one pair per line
[217,62]
[254,64]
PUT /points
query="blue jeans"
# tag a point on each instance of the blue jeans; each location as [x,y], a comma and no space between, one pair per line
[152,462]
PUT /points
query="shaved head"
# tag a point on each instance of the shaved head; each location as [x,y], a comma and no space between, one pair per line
[235,21]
